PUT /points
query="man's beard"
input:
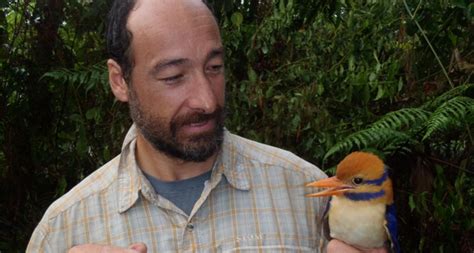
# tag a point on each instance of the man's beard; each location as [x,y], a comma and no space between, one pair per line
[165,137]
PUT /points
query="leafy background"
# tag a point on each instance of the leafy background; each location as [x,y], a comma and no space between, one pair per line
[319,78]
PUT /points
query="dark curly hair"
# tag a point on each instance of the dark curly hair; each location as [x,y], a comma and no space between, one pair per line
[119,37]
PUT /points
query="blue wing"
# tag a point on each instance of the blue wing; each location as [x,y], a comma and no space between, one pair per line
[391,219]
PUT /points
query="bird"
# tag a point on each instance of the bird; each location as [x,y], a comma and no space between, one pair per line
[361,210]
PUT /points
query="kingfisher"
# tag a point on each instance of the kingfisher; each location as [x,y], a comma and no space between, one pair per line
[360,211]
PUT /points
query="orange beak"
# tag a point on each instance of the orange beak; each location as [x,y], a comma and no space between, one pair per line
[336,187]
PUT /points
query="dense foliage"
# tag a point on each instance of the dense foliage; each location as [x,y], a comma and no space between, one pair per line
[320,78]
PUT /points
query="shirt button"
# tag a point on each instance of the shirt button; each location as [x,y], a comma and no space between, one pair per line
[190,226]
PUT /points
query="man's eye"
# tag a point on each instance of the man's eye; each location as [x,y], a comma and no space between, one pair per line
[172,79]
[215,69]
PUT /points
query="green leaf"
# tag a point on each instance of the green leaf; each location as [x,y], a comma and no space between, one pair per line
[351,63]
[282,6]
[406,117]
[380,93]
[106,153]
[320,89]
[452,93]
[448,113]
[295,122]
[269,92]
[252,75]
[91,113]
[372,77]
[411,203]
[400,84]
[237,18]
[453,38]
[379,138]
[62,185]
[265,49]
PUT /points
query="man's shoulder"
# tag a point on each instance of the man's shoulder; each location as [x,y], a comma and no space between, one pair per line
[272,157]
[91,186]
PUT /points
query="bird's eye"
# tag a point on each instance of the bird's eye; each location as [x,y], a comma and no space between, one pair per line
[357,180]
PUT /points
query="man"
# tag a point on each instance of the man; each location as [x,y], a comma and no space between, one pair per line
[182,183]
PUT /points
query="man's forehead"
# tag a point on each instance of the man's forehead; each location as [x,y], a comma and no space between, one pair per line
[152,10]
[172,29]
[167,17]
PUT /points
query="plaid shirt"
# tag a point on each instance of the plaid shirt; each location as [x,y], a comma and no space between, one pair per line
[254,202]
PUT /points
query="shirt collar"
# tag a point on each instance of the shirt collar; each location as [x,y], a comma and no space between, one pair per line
[231,164]
[131,180]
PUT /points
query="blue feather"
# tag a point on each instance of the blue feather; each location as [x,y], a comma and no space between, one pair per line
[361,196]
[391,218]
[379,181]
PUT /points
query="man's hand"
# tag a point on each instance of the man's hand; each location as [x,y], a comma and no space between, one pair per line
[95,248]
[336,246]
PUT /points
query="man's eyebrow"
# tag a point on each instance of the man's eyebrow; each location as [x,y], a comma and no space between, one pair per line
[168,63]
[217,52]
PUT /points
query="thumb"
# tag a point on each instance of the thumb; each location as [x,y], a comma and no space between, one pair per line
[138,247]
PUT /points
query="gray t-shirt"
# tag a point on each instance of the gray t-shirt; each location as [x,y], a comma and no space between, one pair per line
[183,193]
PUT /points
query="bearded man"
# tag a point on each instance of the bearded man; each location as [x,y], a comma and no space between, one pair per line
[182,182]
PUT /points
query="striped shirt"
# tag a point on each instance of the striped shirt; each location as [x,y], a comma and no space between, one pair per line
[254,202]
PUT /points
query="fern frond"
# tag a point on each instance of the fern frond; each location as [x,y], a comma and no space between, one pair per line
[402,118]
[379,138]
[89,76]
[457,91]
[450,112]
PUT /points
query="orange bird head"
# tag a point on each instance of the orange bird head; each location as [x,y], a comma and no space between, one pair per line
[359,176]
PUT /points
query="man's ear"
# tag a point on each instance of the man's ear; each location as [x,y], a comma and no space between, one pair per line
[117,82]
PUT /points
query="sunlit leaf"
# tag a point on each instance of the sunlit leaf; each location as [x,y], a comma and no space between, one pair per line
[237,18]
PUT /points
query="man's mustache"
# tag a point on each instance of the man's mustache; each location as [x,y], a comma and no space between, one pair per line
[196,117]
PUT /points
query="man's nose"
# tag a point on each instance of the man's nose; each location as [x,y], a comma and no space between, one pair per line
[202,95]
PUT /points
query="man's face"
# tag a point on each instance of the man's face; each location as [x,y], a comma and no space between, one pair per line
[176,94]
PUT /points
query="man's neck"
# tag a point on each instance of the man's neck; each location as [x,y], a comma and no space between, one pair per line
[166,168]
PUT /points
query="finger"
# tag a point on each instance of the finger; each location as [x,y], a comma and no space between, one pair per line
[377,250]
[339,246]
[139,247]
